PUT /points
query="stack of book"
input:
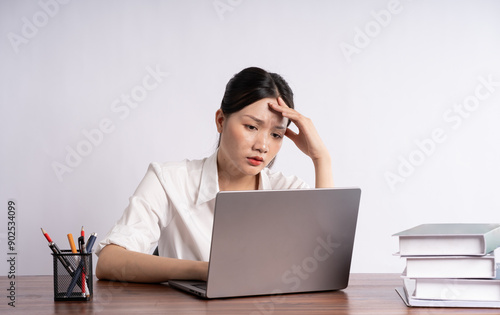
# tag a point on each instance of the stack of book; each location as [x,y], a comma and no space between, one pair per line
[450,265]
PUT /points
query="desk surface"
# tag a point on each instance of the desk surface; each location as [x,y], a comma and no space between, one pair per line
[366,294]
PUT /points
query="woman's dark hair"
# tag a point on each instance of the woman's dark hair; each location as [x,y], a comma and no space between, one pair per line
[251,85]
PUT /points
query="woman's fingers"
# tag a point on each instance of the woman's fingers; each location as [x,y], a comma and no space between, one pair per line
[286,111]
[280,106]
[281,102]
[291,134]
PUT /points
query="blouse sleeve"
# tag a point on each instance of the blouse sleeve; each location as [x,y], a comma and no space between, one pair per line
[139,227]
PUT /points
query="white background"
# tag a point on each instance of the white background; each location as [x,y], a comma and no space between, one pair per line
[378,78]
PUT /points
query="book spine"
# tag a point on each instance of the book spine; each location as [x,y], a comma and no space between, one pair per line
[492,240]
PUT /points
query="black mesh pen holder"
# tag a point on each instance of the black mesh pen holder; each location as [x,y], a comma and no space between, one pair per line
[73,276]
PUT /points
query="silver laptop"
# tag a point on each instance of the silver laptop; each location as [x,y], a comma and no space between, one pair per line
[279,241]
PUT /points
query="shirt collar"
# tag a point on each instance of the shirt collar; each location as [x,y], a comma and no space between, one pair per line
[264,182]
[209,186]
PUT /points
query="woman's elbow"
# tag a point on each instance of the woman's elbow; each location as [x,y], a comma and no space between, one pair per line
[103,267]
[100,270]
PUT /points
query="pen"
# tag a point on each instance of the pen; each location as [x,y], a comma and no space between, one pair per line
[77,275]
[83,234]
[91,242]
[88,248]
[81,244]
[80,271]
[58,253]
[83,285]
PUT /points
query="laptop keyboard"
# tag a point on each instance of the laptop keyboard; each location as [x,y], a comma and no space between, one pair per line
[202,286]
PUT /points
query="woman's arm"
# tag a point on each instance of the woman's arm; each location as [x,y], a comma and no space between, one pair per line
[118,263]
[309,142]
[323,172]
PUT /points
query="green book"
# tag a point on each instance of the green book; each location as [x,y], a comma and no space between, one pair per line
[449,239]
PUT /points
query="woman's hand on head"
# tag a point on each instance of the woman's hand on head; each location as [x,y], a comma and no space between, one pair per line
[307,139]
[309,142]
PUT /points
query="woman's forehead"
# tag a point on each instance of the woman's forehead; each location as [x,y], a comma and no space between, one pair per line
[261,111]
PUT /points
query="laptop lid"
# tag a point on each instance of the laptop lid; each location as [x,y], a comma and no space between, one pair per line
[282,241]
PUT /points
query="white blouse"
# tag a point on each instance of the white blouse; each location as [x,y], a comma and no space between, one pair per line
[173,208]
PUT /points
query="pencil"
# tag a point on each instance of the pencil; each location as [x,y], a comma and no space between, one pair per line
[72,243]
[55,249]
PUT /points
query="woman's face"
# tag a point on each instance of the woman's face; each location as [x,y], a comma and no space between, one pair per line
[250,138]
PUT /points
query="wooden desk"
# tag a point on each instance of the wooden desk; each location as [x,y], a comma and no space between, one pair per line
[367,294]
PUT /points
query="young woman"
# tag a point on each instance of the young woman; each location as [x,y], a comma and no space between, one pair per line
[173,205]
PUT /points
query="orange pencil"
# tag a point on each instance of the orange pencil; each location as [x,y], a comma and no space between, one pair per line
[72,243]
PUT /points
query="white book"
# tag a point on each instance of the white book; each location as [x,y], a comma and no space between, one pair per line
[414,302]
[451,266]
[453,289]
[449,239]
